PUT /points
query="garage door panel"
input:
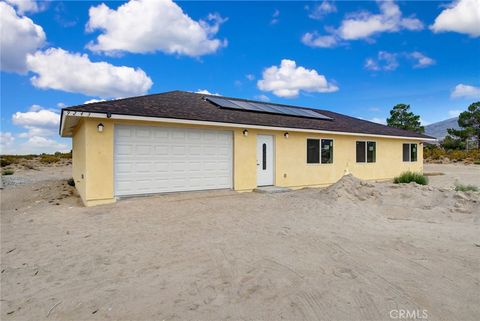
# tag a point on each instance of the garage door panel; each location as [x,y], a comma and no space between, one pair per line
[162,159]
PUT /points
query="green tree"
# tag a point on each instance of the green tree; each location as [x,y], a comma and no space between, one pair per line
[402,117]
[469,123]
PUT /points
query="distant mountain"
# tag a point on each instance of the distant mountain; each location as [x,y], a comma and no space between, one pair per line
[439,129]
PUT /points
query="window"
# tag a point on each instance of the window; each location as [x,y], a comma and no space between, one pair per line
[366,151]
[327,151]
[313,151]
[371,152]
[360,152]
[410,152]
[406,152]
[264,156]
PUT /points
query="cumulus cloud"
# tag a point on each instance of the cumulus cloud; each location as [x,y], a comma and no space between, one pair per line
[58,69]
[6,141]
[144,26]
[313,39]
[385,61]
[19,37]
[422,61]
[45,144]
[461,16]
[250,77]
[287,80]
[206,92]
[37,121]
[365,24]
[388,61]
[93,100]
[320,10]
[465,91]
[24,6]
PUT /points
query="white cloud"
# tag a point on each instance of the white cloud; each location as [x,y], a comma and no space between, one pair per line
[24,6]
[461,16]
[42,143]
[374,109]
[275,16]
[379,120]
[422,60]
[288,80]
[454,113]
[6,141]
[72,72]
[93,100]
[262,97]
[41,126]
[321,10]
[38,121]
[465,91]
[206,92]
[19,36]
[313,39]
[385,61]
[365,24]
[145,26]
[250,77]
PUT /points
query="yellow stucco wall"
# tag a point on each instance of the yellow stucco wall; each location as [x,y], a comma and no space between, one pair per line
[93,154]
[78,159]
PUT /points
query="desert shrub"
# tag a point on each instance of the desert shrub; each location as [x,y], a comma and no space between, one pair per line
[476,162]
[433,152]
[438,153]
[63,155]
[466,188]
[7,160]
[49,159]
[71,182]
[408,177]
[8,172]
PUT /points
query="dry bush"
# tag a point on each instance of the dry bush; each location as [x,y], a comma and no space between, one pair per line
[49,159]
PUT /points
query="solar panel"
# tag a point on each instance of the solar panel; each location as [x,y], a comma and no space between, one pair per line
[265,108]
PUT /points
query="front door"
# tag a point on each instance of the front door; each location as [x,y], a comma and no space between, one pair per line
[265,160]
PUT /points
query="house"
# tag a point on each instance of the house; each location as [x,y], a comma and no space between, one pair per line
[183,141]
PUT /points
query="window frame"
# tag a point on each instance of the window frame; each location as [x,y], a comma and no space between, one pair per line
[319,151]
[366,151]
[410,153]
[333,150]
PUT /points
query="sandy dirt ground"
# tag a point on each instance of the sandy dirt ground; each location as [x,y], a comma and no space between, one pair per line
[453,174]
[354,251]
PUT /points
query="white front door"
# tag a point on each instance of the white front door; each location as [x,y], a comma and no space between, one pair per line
[265,160]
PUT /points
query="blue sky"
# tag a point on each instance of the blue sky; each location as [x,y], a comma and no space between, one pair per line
[354,57]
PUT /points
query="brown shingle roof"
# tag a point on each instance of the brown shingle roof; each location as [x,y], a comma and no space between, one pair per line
[192,106]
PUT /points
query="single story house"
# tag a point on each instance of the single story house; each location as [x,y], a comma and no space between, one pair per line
[183,141]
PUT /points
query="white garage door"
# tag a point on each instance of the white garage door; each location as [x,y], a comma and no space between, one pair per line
[164,159]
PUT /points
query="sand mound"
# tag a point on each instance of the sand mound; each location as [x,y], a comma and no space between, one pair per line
[352,188]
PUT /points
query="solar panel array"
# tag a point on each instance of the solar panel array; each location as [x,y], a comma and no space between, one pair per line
[266,108]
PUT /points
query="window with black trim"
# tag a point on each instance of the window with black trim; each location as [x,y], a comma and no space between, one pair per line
[327,151]
[366,152]
[313,151]
[361,146]
[410,152]
[371,152]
